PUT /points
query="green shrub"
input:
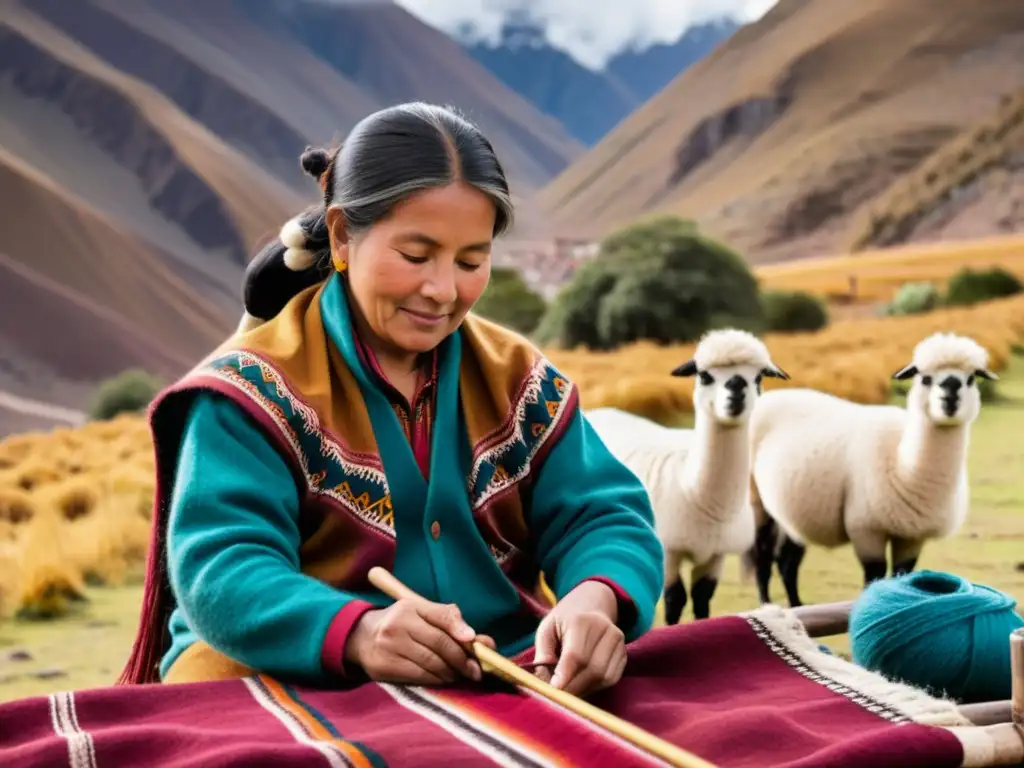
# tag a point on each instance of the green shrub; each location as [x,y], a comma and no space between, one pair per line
[914,299]
[786,311]
[970,286]
[509,301]
[659,280]
[128,392]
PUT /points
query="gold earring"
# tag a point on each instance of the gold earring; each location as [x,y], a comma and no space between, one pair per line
[339,263]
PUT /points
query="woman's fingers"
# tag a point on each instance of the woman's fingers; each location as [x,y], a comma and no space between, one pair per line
[402,637]
[442,644]
[408,672]
[427,659]
[544,673]
[573,654]
[593,651]
[621,658]
[420,634]
[488,641]
[609,657]
[447,617]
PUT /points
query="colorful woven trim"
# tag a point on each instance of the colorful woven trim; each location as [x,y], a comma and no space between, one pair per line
[354,481]
[505,457]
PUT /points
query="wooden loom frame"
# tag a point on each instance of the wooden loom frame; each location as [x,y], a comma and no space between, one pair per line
[1004,719]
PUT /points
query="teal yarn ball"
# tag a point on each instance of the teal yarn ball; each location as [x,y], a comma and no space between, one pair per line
[936,631]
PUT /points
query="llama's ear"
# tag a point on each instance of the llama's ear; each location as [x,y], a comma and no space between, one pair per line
[908,372]
[985,373]
[689,368]
[774,372]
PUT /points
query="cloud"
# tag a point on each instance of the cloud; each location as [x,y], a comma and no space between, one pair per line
[590,30]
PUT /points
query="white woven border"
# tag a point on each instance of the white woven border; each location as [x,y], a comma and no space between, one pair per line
[897,702]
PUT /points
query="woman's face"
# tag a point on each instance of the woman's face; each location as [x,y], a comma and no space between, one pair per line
[417,272]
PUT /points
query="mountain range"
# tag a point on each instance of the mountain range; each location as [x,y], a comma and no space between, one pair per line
[590,103]
[149,147]
[797,135]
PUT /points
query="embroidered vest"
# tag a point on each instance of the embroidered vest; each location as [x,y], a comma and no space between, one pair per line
[293,381]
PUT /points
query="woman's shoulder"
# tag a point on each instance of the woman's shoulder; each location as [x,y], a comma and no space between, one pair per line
[288,351]
[510,361]
[502,347]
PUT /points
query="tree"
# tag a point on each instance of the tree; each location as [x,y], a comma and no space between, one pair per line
[129,392]
[659,280]
[789,311]
[969,286]
[509,301]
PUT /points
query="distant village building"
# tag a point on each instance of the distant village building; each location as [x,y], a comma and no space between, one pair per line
[545,265]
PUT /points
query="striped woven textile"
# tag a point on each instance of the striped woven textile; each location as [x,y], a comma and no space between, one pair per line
[749,690]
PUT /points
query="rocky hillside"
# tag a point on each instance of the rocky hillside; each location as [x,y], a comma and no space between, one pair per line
[590,103]
[971,186]
[782,137]
[148,147]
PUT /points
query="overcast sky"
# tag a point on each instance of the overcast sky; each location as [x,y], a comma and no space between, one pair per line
[591,30]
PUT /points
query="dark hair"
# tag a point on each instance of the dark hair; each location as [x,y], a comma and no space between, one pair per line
[387,157]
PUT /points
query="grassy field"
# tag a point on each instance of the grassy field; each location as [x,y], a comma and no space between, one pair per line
[88,647]
[879,273]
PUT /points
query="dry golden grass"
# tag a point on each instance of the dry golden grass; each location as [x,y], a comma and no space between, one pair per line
[880,273]
[74,509]
[854,359]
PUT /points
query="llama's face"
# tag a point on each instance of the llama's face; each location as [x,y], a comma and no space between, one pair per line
[727,394]
[949,397]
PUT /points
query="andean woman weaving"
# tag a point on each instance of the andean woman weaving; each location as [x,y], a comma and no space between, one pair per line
[373,421]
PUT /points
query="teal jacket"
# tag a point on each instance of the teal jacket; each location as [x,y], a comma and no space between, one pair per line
[233,538]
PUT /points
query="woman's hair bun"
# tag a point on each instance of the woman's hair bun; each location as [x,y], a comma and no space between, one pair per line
[315,161]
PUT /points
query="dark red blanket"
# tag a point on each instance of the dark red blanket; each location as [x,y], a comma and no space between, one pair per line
[738,691]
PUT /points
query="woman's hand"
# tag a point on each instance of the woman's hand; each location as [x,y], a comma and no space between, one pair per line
[581,634]
[414,642]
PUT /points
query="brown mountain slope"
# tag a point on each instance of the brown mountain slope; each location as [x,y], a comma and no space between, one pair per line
[248,195]
[125,225]
[967,188]
[76,117]
[270,77]
[782,134]
[241,86]
[112,268]
[92,299]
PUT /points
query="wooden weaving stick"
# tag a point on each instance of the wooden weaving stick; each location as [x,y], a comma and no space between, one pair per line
[494,663]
